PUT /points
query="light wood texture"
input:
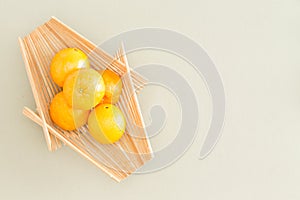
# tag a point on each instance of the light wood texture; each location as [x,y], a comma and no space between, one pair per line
[120,159]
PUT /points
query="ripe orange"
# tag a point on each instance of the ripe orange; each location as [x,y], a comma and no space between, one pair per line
[113,86]
[84,89]
[64,116]
[106,123]
[65,62]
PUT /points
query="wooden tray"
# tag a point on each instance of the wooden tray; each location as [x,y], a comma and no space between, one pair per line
[120,159]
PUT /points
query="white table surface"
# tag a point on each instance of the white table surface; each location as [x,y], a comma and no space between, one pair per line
[255,46]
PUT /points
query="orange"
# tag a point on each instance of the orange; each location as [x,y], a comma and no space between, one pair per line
[65,62]
[84,89]
[64,116]
[106,123]
[113,86]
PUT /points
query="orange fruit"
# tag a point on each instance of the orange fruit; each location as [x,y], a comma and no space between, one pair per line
[84,89]
[113,86]
[65,62]
[64,116]
[106,123]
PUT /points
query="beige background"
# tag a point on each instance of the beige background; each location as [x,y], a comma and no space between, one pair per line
[255,46]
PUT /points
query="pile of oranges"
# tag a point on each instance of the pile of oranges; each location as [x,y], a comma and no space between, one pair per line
[88,97]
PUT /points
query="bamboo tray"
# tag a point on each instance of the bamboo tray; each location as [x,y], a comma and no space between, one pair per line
[118,160]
